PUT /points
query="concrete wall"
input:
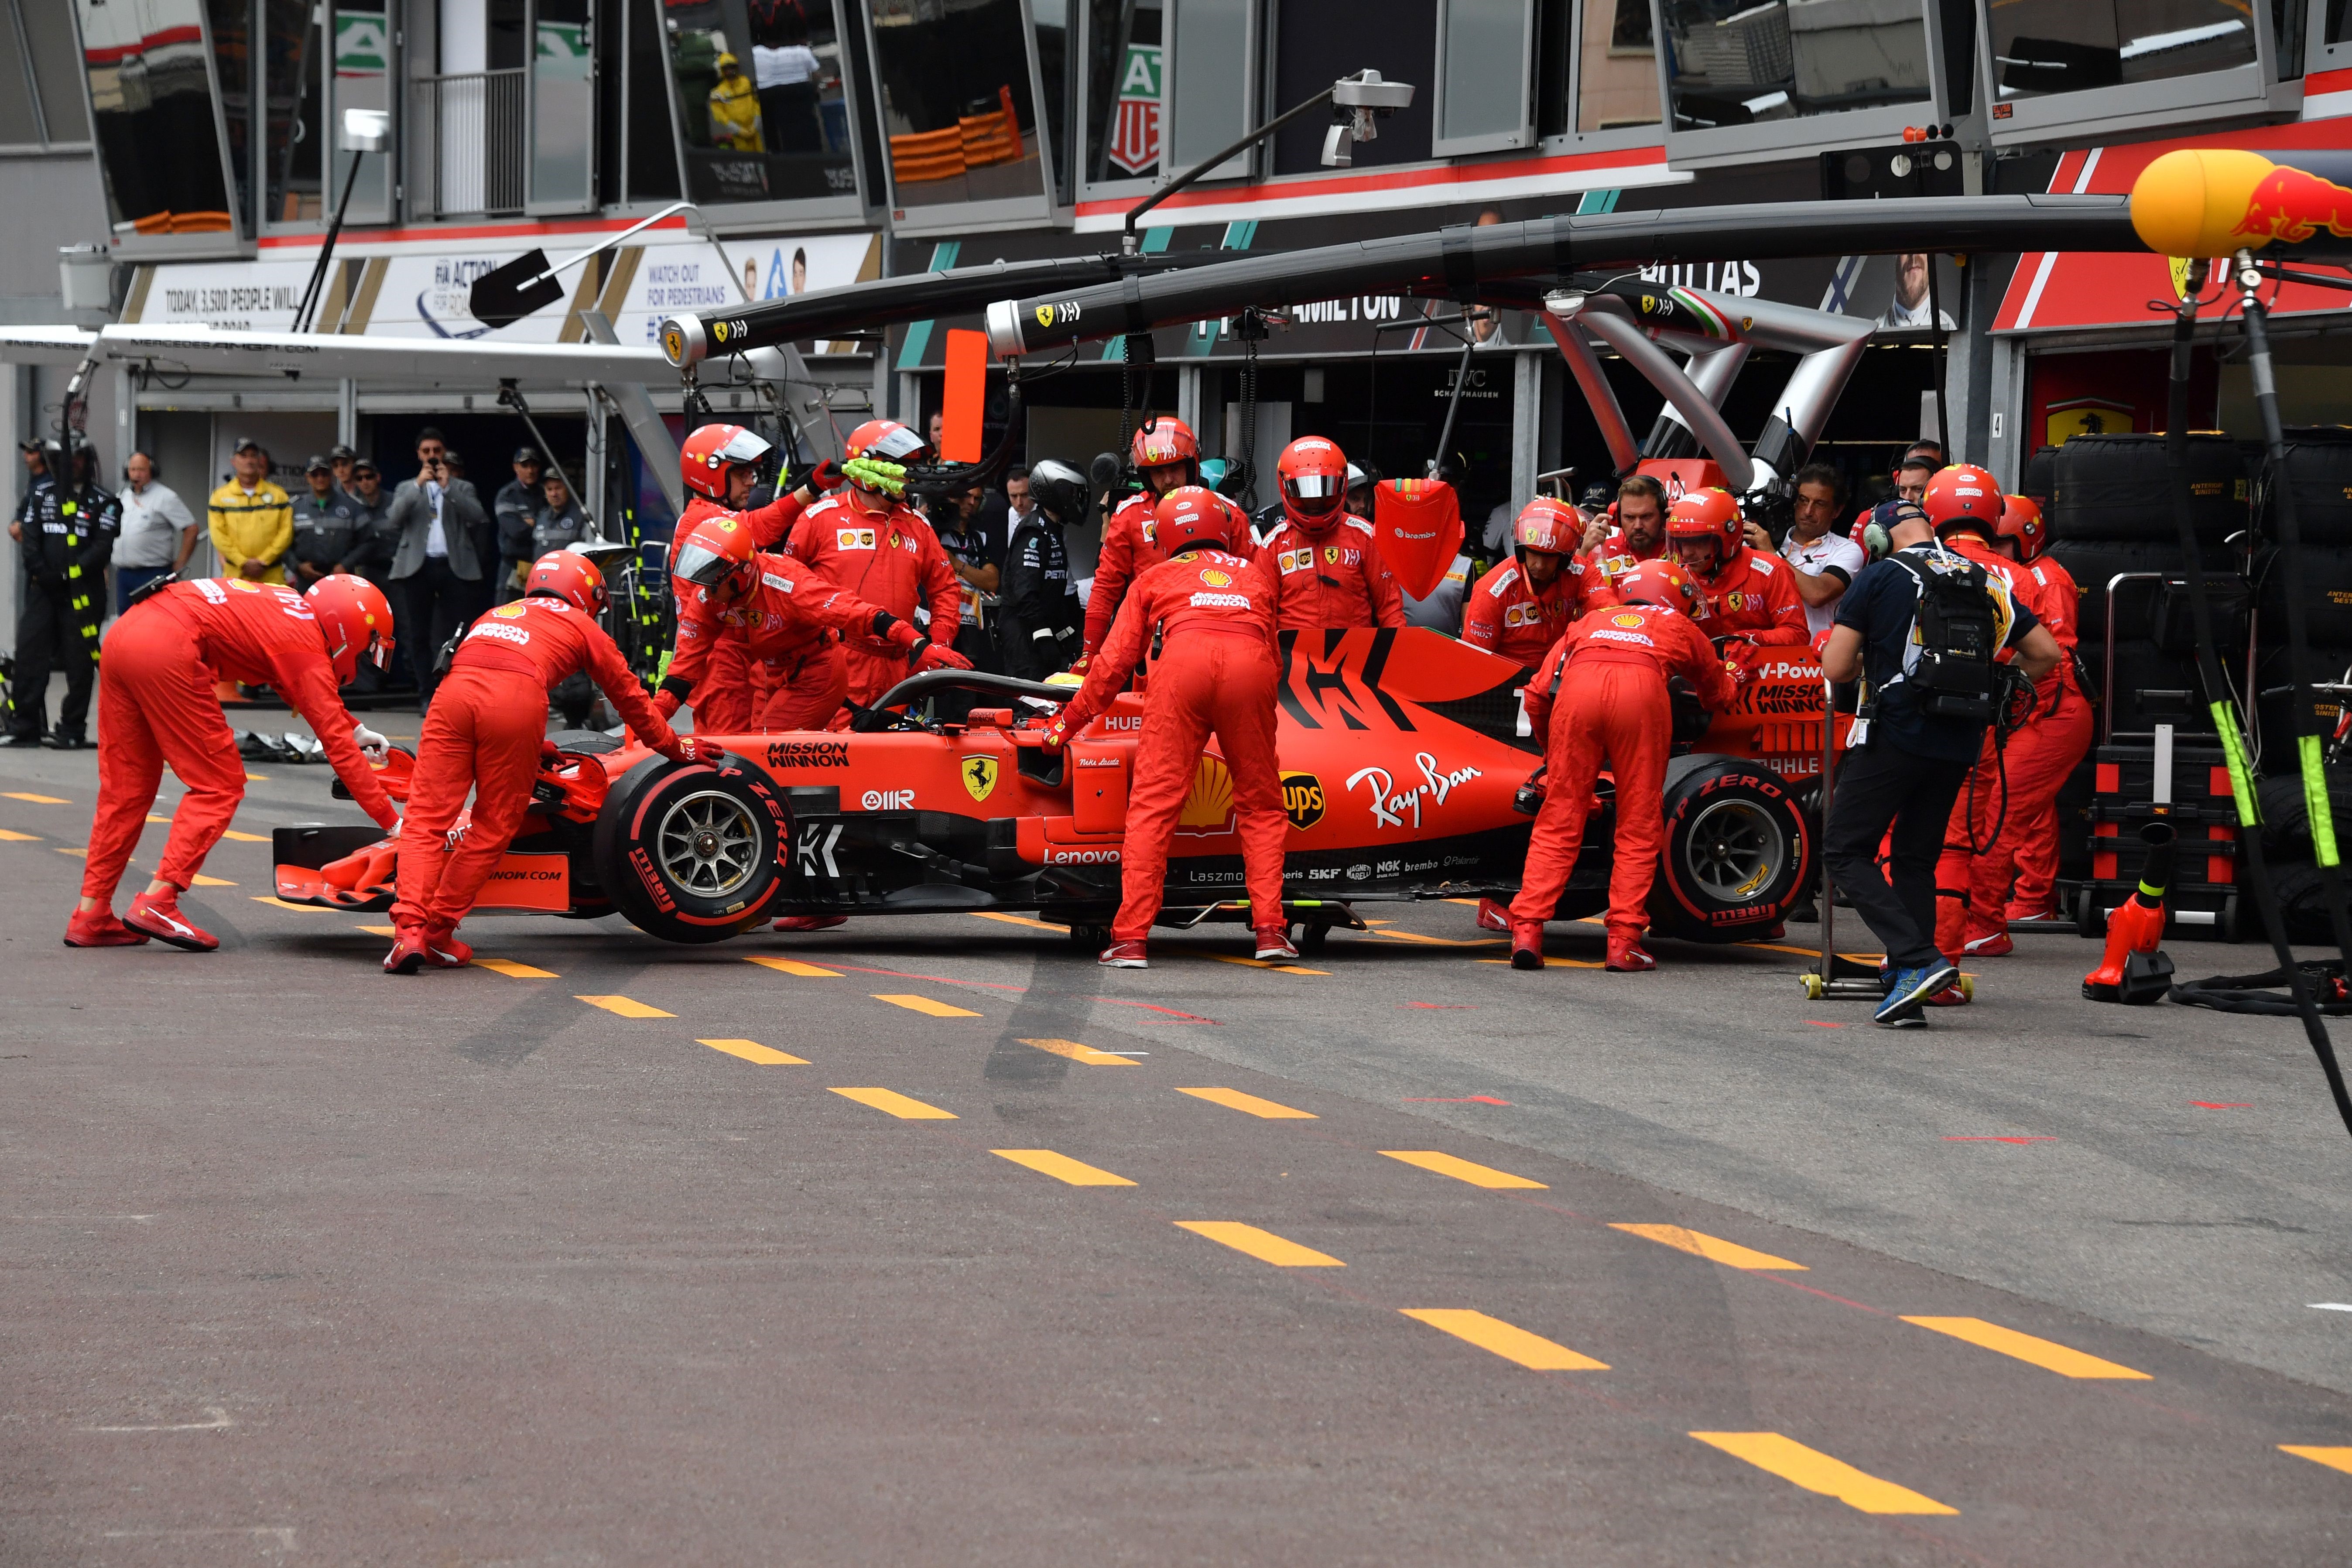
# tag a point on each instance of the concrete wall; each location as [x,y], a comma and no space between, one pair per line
[50,202]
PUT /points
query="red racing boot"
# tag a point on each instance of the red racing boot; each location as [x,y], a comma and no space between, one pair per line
[1527,944]
[1493,916]
[444,951]
[98,928]
[1274,945]
[1628,956]
[158,915]
[809,922]
[407,954]
[1994,943]
[1124,955]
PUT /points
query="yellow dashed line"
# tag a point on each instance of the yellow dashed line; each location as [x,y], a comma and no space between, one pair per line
[508,967]
[204,881]
[9,836]
[298,909]
[625,1007]
[1234,1100]
[1020,921]
[1506,1339]
[1817,1472]
[1261,963]
[35,799]
[1715,1250]
[1262,1245]
[1078,1053]
[245,838]
[2334,1458]
[2044,1354]
[1062,1168]
[793,966]
[914,1004]
[896,1104]
[752,1051]
[1462,1170]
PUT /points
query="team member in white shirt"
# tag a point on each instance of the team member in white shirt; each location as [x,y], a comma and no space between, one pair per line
[159,532]
[1825,559]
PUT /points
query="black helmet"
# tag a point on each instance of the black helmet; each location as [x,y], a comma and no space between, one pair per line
[1061,492]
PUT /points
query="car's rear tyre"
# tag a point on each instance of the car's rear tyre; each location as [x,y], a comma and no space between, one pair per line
[1736,855]
[691,852]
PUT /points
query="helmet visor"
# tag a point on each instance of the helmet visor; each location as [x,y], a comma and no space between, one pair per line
[900,445]
[700,565]
[743,446]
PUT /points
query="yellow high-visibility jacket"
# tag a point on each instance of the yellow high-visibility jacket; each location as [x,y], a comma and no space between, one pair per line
[735,114]
[258,527]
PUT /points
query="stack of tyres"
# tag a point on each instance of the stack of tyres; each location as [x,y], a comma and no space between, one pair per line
[2318,466]
[2203,900]
[2288,855]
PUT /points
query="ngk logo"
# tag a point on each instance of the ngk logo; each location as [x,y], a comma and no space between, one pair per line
[889,799]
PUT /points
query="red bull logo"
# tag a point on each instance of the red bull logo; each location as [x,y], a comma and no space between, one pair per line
[2292,206]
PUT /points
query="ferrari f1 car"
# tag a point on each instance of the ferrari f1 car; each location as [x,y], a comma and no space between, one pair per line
[1401,753]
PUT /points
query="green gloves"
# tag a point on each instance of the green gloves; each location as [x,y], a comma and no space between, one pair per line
[869,474]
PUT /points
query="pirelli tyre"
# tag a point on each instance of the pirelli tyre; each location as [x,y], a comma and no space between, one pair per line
[1738,851]
[693,852]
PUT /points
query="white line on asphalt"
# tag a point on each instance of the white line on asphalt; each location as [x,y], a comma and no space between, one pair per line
[2332,1306]
[219,1420]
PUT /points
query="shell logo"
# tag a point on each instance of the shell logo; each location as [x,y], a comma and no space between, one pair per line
[1629,622]
[1216,579]
[509,612]
[1208,806]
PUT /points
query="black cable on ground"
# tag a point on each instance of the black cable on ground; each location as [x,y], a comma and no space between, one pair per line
[2208,667]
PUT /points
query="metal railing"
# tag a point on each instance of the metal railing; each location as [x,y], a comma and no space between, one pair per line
[468,144]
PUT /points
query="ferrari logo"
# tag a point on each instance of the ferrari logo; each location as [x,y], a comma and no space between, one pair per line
[980,776]
[1331,555]
[674,344]
[1045,315]
[719,330]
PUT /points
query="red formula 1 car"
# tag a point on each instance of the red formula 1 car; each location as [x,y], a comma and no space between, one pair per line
[1401,753]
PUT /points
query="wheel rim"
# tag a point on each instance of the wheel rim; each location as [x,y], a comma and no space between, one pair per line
[708,843]
[1734,850]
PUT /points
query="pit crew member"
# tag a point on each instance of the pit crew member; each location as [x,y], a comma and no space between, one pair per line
[484,734]
[869,541]
[164,661]
[1521,608]
[1744,594]
[1634,531]
[1326,570]
[2061,721]
[1167,456]
[1206,614]
[1616,708]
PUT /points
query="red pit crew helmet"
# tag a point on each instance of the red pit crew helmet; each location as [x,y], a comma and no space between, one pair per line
[1314,474]
[717,549]
[712,453]
[885,441]
[2020,519]
[1190,517]
[571,577]
[1659,582]
[1164,442]
[1708,514]
[357,620]
[1964,496]
[1549,525]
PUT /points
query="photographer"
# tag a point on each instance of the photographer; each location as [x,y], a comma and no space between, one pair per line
[1920,629]
[436,570]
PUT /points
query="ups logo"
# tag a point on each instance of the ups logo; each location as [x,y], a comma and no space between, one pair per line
[1302,800]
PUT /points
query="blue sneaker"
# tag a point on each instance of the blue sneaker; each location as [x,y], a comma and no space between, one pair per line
[1912,988]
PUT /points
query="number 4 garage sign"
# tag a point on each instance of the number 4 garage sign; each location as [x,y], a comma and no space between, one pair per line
[1135,124]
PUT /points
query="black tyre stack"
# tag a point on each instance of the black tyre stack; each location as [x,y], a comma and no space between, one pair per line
[2319,467]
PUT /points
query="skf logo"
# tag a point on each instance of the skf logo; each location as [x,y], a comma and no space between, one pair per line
[1216,579]
[980,776]
[1631,623]
[1045,315]
[1302,800]
[509,612]
[854,539]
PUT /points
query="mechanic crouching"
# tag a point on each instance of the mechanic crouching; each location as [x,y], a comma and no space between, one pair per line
[1616,708]
[485,732]
[1206,616]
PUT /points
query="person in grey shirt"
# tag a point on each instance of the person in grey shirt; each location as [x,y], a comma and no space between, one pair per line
[436,565]
[159,532]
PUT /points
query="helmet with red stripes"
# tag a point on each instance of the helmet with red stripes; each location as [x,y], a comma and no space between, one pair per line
[717,549]
[1548,525]
[1166,442]
[1706,514]
[1964,496]
[713,452]
[357,620]
[1659,582]
[570,576]
[2021,522]
[886,441]
[1314,474]
[1191,517]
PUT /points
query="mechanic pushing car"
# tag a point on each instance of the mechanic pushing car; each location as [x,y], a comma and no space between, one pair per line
[2014,776]
[2054,739]
[1326,570]
[164,661]
[1615,708]
[1206,616]
[868,540]
[1744,594]
[1521,606]
[719,465]
[484,733]
[1167,457]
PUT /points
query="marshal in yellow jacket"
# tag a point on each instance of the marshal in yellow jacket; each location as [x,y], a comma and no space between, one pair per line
[259,526]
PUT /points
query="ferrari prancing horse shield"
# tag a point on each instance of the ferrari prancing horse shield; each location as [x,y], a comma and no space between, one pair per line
[980,776]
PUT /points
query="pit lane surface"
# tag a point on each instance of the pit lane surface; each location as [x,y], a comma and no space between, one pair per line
[926,1241]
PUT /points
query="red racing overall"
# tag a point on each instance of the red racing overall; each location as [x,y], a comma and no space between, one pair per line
[727,696]
[1506,615]
[164,658]
[786,632]
[1970,894]
[1754,596]
[2053,744]
[1213,615]
[483,735]
[1332,578]
[893,562]
[1615,556]
[1602,694]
